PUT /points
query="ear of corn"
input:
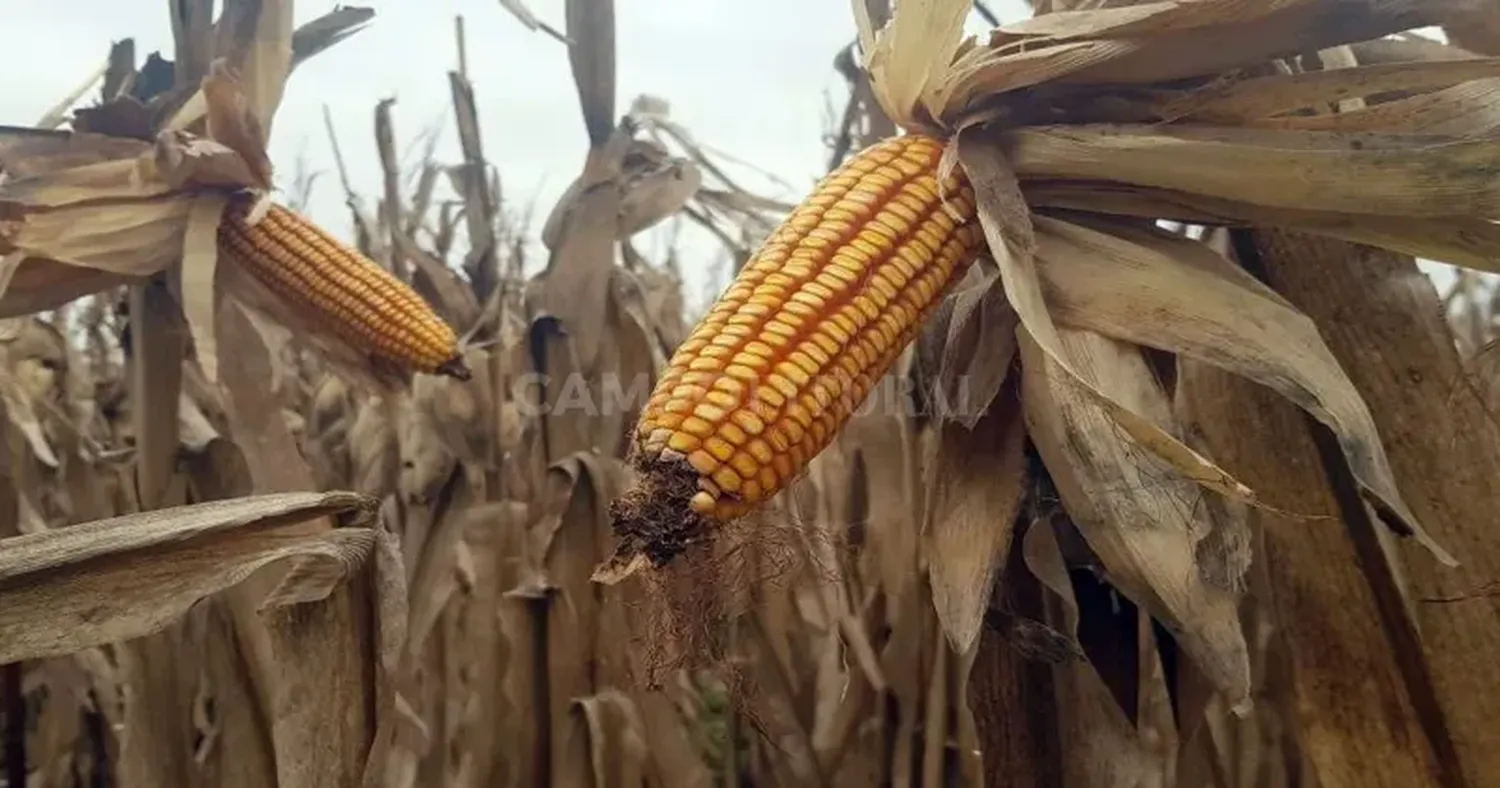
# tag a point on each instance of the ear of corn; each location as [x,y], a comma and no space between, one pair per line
[813,321]
[357,300]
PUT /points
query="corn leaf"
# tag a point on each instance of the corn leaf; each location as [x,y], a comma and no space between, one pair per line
[1472,108]
[591,53]
[977,480]
[1101,744]
[145,570]
[1469,243]
[1007,228]
[200,259]
[909,56]
[1378,174]
[1247,101]
[1145,286]
[1147,524]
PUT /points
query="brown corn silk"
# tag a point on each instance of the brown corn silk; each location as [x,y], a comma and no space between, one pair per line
[795,344]
[340,288]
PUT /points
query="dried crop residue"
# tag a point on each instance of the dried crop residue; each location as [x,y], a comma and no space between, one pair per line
[698,579]
[653,518]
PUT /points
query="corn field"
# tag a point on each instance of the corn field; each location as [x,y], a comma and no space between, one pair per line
[1148,457]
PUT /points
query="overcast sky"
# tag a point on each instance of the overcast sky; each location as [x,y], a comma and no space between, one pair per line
[753,79]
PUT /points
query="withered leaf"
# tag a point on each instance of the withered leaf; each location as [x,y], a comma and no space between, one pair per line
[110,580]
[1007,224]
[1142,519]
[1103,747]
[977,480]
[1152,288]
[1384,174]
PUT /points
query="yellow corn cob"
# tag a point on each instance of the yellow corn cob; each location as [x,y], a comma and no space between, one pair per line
[794,345]
[360,302]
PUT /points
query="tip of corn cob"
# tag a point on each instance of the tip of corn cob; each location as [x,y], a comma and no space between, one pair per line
[455,368]
[654,520]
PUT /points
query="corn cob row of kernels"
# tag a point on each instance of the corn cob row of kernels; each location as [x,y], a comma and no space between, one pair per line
[356,299]
[813,321]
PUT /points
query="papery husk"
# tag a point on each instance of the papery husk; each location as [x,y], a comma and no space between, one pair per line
[113,205]
[1391,183]
[123,595]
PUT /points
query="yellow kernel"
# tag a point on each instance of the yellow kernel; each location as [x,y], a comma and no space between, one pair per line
[780,326]
[730,385]
[705,363]
[683,442]
[803,360]
[746,466]
[727,479]
[782,462]
[751,361]
[689,391]
[748,421]
[797,375]
[719,448]
[710,413]
[760,451]
[697,426]
[731,432]
[702,462]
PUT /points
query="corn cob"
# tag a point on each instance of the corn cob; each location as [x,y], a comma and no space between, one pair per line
[813,321]
[341,289]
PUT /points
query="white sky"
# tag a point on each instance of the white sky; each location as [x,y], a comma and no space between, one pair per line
[752,79]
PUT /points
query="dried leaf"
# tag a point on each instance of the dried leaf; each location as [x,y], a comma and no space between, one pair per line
[591,52]
[1468,110]
[655,194]
[1381,174]
[978,352]
[433,578]
[1233,34]
[577,280]
[617,749]
[200,259]
[1467,242]
[1100,747]
[29,152]
[234,111]
[20,411]
[1144,521]
[524,15]
[183,161]
[329,29]
[1151,288]
[908,57]
[1008,230]
[145,570]
[977,480]
[1138,18]
[255,49]
[1249,100]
